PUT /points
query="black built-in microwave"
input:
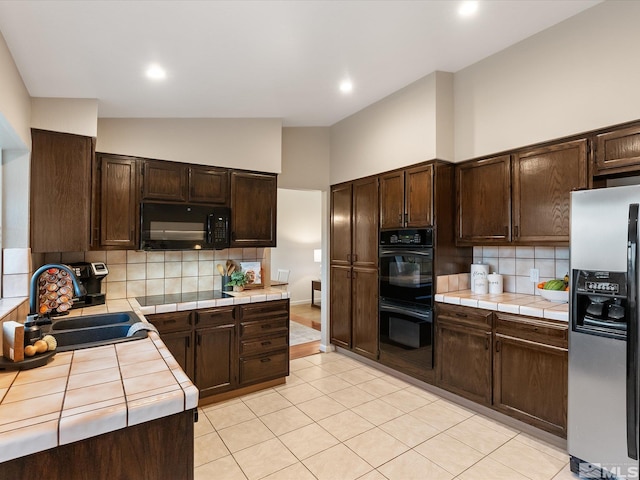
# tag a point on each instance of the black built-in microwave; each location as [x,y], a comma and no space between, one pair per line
[168,226]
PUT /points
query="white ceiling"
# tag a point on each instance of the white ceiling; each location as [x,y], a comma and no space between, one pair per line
[281,59]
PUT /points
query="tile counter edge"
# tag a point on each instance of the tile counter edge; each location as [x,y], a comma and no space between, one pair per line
[516,303]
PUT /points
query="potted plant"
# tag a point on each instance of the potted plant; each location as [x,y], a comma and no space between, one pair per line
[238,281]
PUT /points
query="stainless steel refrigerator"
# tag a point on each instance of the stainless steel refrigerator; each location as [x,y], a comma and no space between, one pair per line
[603,333]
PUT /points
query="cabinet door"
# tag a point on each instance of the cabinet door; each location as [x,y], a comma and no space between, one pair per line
[215,369]
[618,151]
[365,312]
[419,196]
[209,185]
[119,217]
[483,192]
[60,191]
[392,200]
[464,361]
[364,223]
[180,346]
[164,181]
[530,382]
[253,209]
[341,224]
[543,179]
[340,306]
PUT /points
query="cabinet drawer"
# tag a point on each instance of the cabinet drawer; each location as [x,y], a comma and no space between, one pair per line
[214,316]
[262,345]
[275,308]
[265,367]
[170,322]
[468,316]
[263,327]
[532,329]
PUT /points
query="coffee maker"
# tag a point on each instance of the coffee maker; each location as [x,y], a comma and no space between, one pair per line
[90,275]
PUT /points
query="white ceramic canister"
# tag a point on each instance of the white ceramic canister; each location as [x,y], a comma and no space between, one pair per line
[481,285]
[495,282]
[478,270]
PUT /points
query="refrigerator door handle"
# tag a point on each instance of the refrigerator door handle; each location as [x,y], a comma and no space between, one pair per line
[632,333]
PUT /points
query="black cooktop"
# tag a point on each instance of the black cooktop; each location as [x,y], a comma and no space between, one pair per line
[154,300]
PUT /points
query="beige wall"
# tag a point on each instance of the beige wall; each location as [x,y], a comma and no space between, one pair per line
[396,131]
[69,115]
[305,158]
[251,144]
[15,104]
[579,75]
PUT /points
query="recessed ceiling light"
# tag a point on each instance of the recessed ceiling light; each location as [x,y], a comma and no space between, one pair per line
[156,72]
[468,8]
[346,86]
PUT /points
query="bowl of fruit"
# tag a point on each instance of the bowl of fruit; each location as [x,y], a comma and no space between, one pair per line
[556,290]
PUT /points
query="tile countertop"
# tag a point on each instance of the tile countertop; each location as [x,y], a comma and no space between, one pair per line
[518,303]
[85,393]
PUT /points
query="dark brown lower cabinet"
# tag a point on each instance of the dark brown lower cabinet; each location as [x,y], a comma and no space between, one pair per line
[530,371]
[214,367]
[463,352]
[180,346]
[264,341]
[364,315]
[225,348]
[155,450]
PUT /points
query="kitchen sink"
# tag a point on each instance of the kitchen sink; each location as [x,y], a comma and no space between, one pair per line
[95,320]
[95,330]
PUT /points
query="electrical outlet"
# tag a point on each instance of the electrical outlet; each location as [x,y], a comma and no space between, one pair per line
[534,275]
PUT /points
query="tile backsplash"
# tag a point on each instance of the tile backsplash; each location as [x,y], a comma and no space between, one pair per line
[514,264]
[139,273]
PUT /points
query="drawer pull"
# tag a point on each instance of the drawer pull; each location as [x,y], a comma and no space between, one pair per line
[264,344]
[268,325]
[167,322]
[462,315]
[498,346]
[486,346]
[265,360]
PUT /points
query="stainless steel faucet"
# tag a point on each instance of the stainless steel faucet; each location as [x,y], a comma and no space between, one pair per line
[33,290]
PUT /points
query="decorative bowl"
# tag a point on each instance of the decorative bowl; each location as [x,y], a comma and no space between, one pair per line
[559,296]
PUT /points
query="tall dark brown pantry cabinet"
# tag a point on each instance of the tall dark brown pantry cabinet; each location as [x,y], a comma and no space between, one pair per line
[354,266]
[60,189]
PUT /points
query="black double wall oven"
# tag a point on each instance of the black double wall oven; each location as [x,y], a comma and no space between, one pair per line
[406,299]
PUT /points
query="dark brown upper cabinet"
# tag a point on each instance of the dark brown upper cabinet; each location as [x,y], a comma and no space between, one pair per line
[179,182]
[406,198]
[617,151]
[116,212]
[60,191]
[483,192]
[253,209]
[543,179]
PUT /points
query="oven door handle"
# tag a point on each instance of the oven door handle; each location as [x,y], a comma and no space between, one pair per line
[413,313]
[427,252]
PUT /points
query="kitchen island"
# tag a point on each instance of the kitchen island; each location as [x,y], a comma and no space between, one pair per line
[108,411]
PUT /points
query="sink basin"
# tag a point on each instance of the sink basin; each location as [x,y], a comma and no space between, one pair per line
[95,330]
[95,320]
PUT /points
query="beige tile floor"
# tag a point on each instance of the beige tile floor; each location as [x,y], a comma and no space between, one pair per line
[338,419]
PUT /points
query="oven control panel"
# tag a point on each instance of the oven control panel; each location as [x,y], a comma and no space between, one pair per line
[413,236]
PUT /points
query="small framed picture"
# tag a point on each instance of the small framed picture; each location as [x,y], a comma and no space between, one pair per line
[253,271]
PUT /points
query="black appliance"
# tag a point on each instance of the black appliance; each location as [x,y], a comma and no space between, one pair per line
[90,276]
[406,299]
[166,226]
